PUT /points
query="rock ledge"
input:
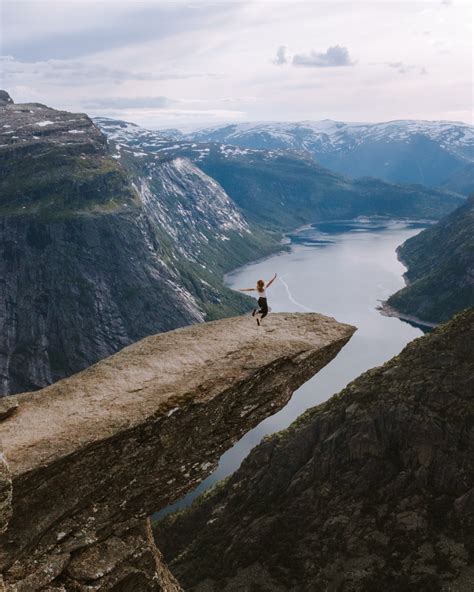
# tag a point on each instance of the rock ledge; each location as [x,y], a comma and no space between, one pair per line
[92,456]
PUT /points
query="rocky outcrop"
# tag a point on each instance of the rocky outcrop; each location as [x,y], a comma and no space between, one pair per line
[373,490]
[90,457]
[95,255]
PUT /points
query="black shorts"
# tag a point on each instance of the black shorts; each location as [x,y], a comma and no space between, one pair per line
[263,304]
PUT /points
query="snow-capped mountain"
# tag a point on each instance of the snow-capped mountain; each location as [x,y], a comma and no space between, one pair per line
[278,189]
[130,139]
[405,151]
[457,137]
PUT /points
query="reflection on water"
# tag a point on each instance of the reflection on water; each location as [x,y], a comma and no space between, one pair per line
[341,269]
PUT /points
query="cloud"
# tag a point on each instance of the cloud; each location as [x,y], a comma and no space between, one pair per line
[163,118]
[400,66]
[77,50]
[403,68]
[129,103]
[334,56]
[83,73]
[281,57]
[33,30]
[163,103]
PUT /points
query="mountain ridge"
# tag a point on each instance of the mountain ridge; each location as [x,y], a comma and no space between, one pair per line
[107,240]
[405,151]
[290,188]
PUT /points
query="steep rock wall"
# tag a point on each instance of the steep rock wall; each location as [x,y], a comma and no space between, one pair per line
[92,456]
[95,255]
[372,490]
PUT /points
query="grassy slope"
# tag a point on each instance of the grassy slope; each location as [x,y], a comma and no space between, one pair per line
[289,191]
[440,263]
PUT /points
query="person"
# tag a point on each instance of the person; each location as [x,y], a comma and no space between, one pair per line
[262,298]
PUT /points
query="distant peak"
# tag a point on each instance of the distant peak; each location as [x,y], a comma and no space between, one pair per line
[5,98]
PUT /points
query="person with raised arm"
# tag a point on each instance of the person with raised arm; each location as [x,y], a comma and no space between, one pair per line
[260,288]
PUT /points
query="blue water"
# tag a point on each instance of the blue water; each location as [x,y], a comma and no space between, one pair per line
[343,270]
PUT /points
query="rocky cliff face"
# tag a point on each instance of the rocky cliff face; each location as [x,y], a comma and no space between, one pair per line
[279,189]
[373,490]
[90,457]
[440,273]
[95,255]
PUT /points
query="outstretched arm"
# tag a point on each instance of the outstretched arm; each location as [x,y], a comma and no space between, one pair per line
[271,281]
[246,289]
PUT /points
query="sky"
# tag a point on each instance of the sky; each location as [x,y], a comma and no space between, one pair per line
[191,64]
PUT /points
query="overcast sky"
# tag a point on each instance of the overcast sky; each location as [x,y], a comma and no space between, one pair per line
[191,64]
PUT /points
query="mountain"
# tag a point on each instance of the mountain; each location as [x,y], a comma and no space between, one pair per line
[286,191]
[105,239]
[372,490]
[462,181]
[440,263]
[427,152]
[277,189]
[94,256]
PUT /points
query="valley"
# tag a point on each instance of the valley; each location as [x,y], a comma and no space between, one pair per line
[111,233]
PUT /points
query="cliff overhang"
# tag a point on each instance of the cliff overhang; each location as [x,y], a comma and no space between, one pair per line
[87,459]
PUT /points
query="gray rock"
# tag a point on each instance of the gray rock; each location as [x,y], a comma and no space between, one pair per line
[93,455]
[96,254]
[378,499]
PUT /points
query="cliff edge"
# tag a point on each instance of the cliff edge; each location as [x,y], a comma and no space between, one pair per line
[95,255]
[372,490]
[90,457]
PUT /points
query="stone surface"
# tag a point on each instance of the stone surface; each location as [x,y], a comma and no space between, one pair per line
[92,456]
[95,255]
[5,493]
[7,408]
[373,490]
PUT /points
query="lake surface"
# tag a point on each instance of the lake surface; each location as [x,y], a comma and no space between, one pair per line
[343,270]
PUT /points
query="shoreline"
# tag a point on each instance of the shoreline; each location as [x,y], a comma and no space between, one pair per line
[286,243]
[389,311]
[223,472]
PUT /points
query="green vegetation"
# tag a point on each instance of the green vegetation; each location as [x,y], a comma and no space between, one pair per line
[440,263]
[56,183]
[287,191]
[462,181]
